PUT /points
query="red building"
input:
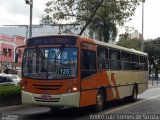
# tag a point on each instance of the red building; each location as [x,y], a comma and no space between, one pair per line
[8,45]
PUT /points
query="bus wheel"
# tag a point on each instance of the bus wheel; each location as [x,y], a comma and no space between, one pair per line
[55,109]
[134,94]
[99,101]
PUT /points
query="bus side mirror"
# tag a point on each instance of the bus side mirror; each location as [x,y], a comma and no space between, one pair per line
[16,58]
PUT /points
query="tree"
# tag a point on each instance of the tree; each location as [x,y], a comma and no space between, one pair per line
[130,43]
[104,15]
[152,48]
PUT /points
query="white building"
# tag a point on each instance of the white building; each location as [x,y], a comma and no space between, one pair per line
[40,30]
[136,35]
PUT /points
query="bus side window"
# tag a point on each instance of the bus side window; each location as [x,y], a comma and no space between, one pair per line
[114,56]
[134,62]
[143,64]
[88,63]
[125,61]
[102,54]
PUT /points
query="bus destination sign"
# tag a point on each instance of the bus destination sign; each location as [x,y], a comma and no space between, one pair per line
[52,40]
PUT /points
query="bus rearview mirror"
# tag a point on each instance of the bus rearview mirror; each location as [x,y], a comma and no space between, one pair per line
[16,58]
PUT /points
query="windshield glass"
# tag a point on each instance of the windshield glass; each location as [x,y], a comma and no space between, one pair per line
[50,63]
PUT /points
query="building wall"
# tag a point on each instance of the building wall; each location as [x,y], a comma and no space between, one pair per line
[8,45]
[135,34]
[7,57]
[6,38]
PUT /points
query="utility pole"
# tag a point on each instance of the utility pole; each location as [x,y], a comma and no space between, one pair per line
[30,2]
[142,41]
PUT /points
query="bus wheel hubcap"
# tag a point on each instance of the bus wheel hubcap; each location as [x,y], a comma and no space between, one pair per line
[135,94]
[99,101]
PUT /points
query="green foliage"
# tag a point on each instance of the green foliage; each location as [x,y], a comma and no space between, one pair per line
[8,91]
[152,47]
[130,43]
[100,16]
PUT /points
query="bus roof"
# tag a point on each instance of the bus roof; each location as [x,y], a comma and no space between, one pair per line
[116,46]
[98,43]
[119,47]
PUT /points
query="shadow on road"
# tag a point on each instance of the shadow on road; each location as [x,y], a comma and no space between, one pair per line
[72,113]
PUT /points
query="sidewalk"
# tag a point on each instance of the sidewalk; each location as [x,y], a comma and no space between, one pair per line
[153,83]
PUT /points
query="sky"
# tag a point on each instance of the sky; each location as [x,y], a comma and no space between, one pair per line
[16,12]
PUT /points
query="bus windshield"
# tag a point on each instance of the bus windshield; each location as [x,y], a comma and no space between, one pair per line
[50,63]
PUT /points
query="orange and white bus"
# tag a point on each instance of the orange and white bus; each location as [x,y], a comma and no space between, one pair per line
[72,71]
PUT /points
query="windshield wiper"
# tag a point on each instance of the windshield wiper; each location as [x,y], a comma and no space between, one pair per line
[60,51]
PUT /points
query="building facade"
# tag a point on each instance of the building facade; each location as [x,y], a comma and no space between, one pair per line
[136,35]
[8,46]
[133,35]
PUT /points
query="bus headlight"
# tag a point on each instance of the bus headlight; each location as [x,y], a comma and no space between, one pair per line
[23,85]
[72,88]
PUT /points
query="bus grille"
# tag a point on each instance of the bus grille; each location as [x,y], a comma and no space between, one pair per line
[47,87]
[38,99]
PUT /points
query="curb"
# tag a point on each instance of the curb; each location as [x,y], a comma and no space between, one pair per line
[154,86]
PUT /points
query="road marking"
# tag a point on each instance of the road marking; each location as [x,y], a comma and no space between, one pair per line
[130,105]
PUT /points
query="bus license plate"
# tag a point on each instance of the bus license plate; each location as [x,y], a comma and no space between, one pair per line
[46,97]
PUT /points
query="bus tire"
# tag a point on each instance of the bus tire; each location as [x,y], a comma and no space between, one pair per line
[55,109]
[99,101]
[134,93]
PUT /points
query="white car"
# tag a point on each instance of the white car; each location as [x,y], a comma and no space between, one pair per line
[6,81]
[14,77]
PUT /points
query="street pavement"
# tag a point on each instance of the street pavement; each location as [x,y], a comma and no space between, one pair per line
[147,107]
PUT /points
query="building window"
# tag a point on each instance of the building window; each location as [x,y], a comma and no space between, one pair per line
[4,51]
[19,53]
[9,52]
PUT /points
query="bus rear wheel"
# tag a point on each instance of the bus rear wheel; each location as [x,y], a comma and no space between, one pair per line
[134,94]
[99,101]
[55,109]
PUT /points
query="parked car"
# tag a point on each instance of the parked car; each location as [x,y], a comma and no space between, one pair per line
[6,81]
[13,77]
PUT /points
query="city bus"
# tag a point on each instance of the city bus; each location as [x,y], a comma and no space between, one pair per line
[72,71]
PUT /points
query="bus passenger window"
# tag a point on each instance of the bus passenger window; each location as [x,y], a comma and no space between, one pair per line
[115,63]
[134,62]
[88,60]
[102,54]
[146,63]
[125,61]
[143,63]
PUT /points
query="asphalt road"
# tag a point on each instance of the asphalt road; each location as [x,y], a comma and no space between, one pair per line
[147,107]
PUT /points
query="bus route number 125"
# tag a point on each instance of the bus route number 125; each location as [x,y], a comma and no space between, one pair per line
[64,71]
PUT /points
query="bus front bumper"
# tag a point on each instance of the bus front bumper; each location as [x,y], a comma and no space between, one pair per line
[62,100]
